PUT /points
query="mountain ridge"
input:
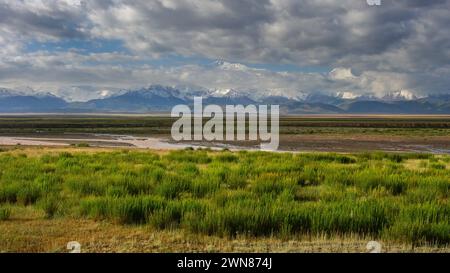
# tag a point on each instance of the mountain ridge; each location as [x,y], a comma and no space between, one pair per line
[159,98]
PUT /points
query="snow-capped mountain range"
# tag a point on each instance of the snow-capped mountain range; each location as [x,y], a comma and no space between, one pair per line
[158,98]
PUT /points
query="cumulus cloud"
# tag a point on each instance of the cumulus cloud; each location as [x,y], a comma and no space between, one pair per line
[342,73]
[400,45]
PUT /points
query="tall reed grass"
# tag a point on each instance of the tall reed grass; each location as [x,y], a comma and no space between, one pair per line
[228,193]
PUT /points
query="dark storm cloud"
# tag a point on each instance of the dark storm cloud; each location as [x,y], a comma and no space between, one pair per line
[302,32]
[53,21]
[289,31]
[400,44]
[235,16]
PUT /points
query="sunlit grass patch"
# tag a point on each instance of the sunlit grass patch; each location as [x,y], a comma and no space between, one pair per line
[230,194]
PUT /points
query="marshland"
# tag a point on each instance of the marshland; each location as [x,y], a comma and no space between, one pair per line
[323,133]
[206,200]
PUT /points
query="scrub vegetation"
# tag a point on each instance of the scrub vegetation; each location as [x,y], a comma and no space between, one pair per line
[400,198]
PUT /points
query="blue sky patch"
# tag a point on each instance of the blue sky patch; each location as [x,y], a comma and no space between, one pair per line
[80,45]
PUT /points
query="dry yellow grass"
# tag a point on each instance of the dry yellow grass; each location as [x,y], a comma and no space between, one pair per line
[414,164]
[29,231]
[33,151]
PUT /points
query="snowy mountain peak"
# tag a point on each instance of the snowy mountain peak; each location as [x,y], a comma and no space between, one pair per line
[400,95]
[43,95]
[5,92]
[157,90]
[227,92]
[287,94]
[25,91]
[347,95]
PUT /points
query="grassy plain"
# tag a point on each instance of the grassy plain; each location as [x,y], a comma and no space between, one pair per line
[160,125]
[140,200]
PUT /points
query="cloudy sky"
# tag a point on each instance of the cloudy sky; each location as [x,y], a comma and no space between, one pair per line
[86,49]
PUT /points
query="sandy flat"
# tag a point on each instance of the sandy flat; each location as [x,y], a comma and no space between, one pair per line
[291,143]
[28,141]
[107,141]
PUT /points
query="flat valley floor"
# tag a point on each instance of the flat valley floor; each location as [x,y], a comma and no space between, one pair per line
[120,184]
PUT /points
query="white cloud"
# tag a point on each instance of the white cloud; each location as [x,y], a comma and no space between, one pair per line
[342,73]
[401,45]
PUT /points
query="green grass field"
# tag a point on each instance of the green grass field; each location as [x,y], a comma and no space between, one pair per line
[397,198]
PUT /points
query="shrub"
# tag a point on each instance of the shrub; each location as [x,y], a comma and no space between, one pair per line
[418,233]
[227,157]
[5,213]
[29,193]
[82,145]
[125,210]
[437,166]
[173,185]
[51,205]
